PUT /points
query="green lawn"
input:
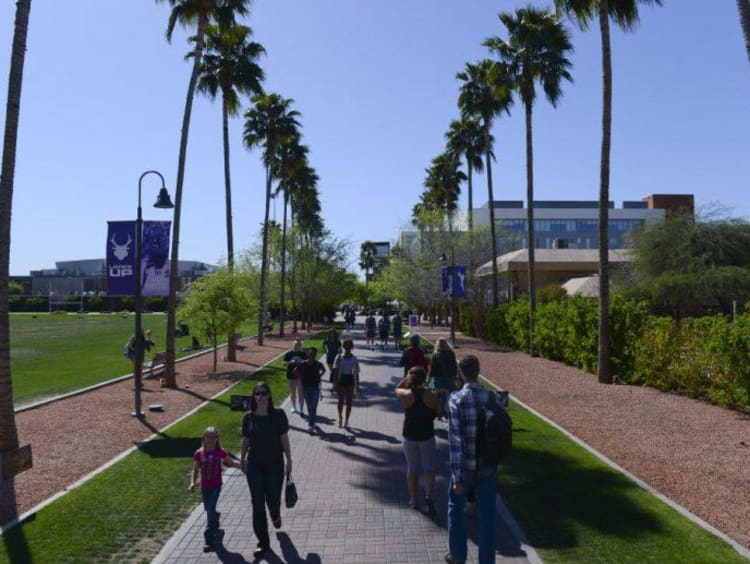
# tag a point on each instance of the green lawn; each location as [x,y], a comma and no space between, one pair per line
[54,354]
[129,511]
[575,508]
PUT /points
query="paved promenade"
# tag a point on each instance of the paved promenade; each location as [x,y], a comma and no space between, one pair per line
[353,499]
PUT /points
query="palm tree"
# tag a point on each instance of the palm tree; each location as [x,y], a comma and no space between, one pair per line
[536,50]
[270,123]
[743,6]
[192,14]
[625,14]
[367,253]
[8,431]
[485,93]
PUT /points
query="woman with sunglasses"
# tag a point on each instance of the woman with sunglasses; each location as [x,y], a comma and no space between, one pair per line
[264,445]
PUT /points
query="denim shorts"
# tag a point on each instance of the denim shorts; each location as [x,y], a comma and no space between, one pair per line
[420,455]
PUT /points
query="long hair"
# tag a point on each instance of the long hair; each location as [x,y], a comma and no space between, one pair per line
[253,402]
[210,431]
[417,378]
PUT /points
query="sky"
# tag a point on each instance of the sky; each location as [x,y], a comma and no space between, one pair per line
[103,97]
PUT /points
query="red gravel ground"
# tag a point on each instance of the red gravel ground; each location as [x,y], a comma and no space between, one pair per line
[694,453]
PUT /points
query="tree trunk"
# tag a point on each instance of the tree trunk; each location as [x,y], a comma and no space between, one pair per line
[531,239]
[170,377]
[8,431]
[603,374]
[231,339]
[282,311]
[470,223]
[491,197]
[264,257]
[743,6]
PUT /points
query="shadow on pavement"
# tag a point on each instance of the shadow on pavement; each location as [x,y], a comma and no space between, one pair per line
[14,539]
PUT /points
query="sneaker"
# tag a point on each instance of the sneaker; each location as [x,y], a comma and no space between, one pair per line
[450,560]
[208,548]
[431,511]
[294,410]
[276,522]
[260,551]
[413,504]
[340,425]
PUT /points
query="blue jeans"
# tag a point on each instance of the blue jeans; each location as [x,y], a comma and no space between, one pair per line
[265,489]
[312,396]
[210,498]
[486,487]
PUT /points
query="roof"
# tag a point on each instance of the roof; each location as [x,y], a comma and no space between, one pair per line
[554,259]
[586,286]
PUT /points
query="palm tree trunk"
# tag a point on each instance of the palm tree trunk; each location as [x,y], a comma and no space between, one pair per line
[743,6]
[174,274]
[264,258]
[491,197]
[8,431]
[530,220]
[603,374]
[470,221]
[282,311]
[231,339]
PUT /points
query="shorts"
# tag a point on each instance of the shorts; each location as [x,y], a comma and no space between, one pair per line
[420,455]
[370,333]
[346,380]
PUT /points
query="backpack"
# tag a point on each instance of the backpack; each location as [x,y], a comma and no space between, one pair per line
[494,434]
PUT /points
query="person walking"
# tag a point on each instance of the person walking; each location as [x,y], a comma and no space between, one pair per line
[370,326]
[421,406]
[347,368]
[310,373]
[466,471]
[207,461]
[384,328]
[396,324]
[413,356]
[291,359]
[443,371]
[332,348]
[265,444]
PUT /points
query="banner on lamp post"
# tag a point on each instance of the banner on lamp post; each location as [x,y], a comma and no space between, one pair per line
[154,258]
[453,281]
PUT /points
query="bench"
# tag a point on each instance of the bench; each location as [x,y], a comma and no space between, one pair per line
[155,364]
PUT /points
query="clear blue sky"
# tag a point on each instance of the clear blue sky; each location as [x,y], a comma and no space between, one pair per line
[103,97]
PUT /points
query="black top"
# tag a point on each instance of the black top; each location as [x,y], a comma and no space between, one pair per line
[311,373]
[293,355]
[332,348]
[264,432]
[419,422]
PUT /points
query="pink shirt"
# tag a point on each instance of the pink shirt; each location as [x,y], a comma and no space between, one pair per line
[210,462]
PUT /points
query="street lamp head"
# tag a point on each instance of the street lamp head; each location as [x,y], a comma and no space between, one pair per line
[443,257]
[163,201]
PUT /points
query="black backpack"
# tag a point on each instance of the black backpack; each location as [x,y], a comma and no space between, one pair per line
[494,434]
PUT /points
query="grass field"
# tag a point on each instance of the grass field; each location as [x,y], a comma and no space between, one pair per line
[55,354]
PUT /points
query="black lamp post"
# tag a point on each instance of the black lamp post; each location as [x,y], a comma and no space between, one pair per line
[451,268]
[163,201]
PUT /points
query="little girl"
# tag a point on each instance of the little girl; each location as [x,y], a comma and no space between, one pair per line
[207,461]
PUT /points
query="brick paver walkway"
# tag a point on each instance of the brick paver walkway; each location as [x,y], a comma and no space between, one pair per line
[353,497]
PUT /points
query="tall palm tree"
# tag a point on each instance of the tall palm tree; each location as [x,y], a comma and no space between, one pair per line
[8,431]
[743,6]
[367,253]
[291,164]
[486,92]
[444,184]
[536,50]
[229,65]
[269,123]
[197,15]
[625,14]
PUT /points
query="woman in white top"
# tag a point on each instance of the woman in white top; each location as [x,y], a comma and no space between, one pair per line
[346,366]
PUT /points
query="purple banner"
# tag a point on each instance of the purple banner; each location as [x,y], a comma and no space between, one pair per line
[121,258]
[154,258]
[453,281]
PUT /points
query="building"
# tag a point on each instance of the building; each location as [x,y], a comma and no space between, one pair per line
[382,255]
[89,277]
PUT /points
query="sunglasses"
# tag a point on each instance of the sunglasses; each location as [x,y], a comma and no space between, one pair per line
[260,394]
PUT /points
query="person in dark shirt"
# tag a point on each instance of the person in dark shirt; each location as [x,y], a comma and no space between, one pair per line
[291,359]
[310,373]
[413,356]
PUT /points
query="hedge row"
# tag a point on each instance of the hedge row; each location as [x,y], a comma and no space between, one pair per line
[707,357]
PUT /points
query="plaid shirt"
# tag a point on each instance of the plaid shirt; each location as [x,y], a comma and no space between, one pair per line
[462,428]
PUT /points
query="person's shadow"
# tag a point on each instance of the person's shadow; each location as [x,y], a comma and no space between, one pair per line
[289,554]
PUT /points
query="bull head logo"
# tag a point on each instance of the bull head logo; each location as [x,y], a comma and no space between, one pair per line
[121,251]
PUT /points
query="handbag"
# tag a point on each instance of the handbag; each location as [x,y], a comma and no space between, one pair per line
[290,492]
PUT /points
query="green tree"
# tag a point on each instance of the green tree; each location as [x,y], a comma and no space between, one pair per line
[195,15]
[625,14]
[217,304]
[485,93]
[743,6]
[8,431]
[536,50]
[269,124]
[367,254]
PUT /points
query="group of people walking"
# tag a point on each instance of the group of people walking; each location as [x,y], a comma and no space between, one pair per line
[428,391]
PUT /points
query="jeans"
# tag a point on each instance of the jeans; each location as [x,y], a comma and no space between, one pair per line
[486,487]
[265,489]
[210,498]
[312,396]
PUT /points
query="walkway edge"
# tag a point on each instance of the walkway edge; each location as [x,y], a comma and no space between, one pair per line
[653,491]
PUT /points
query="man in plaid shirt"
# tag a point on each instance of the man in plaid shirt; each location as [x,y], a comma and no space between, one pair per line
[465,473]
